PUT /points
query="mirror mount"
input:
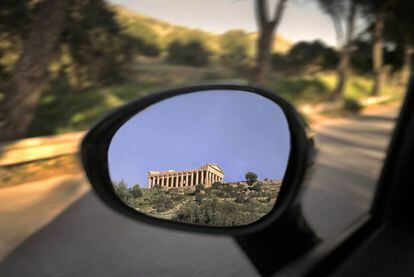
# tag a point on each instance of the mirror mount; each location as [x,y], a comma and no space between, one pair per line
[287,238]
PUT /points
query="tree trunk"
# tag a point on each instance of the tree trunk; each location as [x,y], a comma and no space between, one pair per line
[345,58]
[264,55]
[377,52]
[30,71]
[265,42]
[408,59]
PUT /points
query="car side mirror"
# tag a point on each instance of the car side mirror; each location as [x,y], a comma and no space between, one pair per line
[224,159]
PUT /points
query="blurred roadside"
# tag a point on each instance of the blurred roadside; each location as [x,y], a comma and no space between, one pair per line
[33,159]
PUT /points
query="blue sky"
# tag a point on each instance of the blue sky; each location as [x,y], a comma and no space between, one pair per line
[240,131]
[303,19]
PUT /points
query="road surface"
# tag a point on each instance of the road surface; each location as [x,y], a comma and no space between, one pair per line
[49,236]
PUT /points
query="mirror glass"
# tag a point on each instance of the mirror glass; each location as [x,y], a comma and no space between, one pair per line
[213,158]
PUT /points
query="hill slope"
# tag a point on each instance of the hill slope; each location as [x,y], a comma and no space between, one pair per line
[162,32]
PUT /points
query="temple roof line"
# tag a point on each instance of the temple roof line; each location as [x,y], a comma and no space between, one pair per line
[170,171]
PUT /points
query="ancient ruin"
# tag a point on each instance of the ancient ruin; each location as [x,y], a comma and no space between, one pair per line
[206,175]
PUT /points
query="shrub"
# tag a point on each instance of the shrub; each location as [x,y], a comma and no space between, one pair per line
[199,188]
[251,177]
[193,53]
[136,191]
[352,105]
[234,194]
[217,213]
[258,187]
[234,49]
[163,203]
[199,198]
[240,199]
[216,185]
[123,193]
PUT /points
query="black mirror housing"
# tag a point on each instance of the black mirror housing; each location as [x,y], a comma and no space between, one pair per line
[95,146]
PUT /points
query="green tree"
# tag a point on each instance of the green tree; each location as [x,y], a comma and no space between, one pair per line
[402,32]
[122,191]
[251,177]
[314,54]
[82,38]
[193,53]
[136,191]
[378,9]
[343,13]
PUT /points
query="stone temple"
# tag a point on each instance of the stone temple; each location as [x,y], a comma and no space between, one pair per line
[205,175]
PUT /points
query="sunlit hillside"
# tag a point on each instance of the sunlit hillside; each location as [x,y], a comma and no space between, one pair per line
[162,32]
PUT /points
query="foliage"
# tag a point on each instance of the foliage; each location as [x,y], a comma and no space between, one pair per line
[216,185]
[94,46]
[136,191]
[251,177]
[199,188]
[192,53]
[241,199]
[258,186]
[123,192]
[352,105]
[217,213]
[234,49]
[229,205]
[163,203]
[306,56]
[199,198]
[147,41]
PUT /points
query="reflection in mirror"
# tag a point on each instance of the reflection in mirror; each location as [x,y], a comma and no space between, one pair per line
[212,158]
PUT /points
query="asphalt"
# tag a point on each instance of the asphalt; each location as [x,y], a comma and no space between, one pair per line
[77,235]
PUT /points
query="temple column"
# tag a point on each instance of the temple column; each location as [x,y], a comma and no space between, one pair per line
[196,179]
[186,179]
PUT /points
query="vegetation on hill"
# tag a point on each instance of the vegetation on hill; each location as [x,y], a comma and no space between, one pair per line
[219,205]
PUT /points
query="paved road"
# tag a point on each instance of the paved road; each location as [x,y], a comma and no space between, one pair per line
[88,239]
